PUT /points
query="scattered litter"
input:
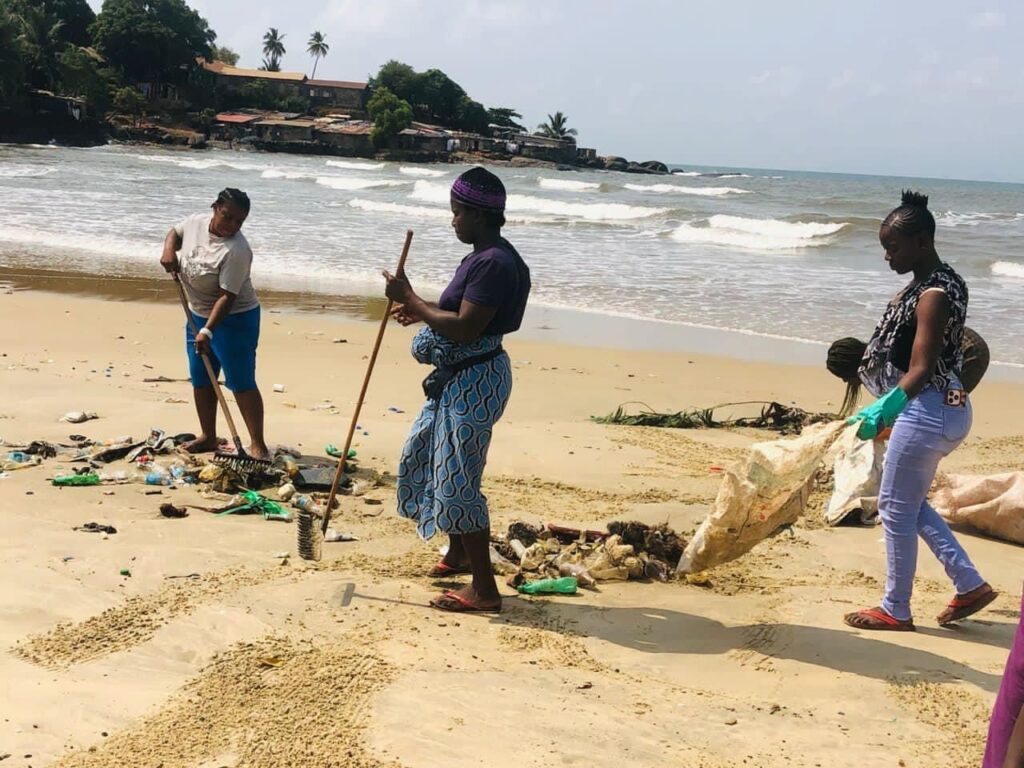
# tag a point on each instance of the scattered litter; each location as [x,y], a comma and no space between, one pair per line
[339,341]
[175,400]
[252,502]
[67,558]
[286,491]
[393,409]
[271,661]
[372,502]
[125,572]
[169,510]
[77,417]
[333,535]
[88,478]
[95,528]
[184,576]
[279,388]
[565,585]
[332,450]
[162,380]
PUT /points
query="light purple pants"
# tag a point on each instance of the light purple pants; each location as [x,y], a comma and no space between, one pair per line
[1009,702]
[926,432]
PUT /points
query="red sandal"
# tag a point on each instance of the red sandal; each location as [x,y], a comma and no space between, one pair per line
[960,607]
[878,620]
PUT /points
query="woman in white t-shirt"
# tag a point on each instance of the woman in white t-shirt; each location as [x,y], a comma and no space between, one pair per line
[213,260]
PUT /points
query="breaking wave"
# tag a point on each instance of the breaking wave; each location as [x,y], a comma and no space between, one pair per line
[953,219]
[1008,269]
[662,189]
[420,211]
[758,234]
[430,172]
[24,172]
[568,185]
[355,166]
[430,192]
[348,184]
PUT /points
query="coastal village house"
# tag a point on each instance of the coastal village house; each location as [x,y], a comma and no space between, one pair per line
[350,96]
[227,77]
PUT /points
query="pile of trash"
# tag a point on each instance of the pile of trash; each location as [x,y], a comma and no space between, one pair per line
[625,551]
[161,461]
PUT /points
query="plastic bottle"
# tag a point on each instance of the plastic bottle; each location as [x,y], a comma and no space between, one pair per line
[566,585]
[120,476]
[88,479]
[157,475]
[19,457]
[306,504]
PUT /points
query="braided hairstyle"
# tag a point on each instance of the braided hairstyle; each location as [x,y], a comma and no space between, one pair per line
[235,197]
[843,360]
[912,216]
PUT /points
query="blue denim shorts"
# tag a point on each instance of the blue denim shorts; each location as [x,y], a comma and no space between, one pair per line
[233,348]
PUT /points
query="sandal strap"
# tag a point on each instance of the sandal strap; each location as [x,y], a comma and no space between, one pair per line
[882,616]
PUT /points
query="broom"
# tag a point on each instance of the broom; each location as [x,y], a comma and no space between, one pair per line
[311,535]
[239,462]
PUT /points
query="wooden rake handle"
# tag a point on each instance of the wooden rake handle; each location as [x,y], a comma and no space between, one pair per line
[209,368]
[362,392]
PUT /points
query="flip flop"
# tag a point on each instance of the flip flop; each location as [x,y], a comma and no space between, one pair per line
[459,604]
[443,569]
[964,607]
[885,622]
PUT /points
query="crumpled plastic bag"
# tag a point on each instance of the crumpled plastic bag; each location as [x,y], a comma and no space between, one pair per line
[767,491]
[991,504]
[857,476]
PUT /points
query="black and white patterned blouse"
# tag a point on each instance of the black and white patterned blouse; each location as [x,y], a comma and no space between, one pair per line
[887,357]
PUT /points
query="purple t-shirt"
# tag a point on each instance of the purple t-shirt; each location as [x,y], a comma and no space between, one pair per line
[494,277]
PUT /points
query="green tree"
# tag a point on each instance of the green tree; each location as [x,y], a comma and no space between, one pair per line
[398,78]
[41,44]
[390,114]
[472,116]
[151,39]
[129,101]
[271,64]
[273,45]
[555,127]
[505,117]
[318,49]
[437,98]
[12,61]
[84,73]
[224,54]
[76,16]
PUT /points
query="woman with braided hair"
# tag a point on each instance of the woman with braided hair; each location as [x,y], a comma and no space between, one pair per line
[444,456]
[912,364]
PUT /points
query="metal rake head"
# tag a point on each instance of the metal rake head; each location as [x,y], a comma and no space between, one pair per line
[310,537]
[243,465]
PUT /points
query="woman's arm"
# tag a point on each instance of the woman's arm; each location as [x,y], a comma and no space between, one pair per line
[464,326]
[169,258]
[932,314]
[221,308]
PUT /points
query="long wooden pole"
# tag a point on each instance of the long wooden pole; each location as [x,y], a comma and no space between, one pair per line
[362,392]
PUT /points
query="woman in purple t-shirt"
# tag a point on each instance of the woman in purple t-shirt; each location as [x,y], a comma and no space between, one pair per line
[444,456]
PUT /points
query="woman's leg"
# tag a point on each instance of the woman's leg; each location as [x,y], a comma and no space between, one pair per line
[948,551]
[250,403]
[202,392]
[910,463]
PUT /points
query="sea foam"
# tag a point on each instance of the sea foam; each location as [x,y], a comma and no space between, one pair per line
[663,189]
[759,234]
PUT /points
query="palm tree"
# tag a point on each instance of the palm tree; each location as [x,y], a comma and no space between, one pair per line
[555,127]
[318,49]
[273,46]
[271,64]
[41,38]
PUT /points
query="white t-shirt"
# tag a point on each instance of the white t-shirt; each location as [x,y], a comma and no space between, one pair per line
[210,263]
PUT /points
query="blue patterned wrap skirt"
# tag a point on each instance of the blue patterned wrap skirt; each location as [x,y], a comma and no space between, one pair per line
[443,458]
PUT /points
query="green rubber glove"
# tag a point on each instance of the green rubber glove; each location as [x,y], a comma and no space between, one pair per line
[880,414]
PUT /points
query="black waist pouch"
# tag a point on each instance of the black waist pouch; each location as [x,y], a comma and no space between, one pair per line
[438,379]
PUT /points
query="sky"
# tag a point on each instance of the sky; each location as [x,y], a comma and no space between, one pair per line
[913,88]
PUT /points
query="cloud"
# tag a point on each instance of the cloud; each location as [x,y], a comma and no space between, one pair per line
[784,80]
[844,79]
[988,20]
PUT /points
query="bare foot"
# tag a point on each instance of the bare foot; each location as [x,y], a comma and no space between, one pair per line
[258,451]
[202,444]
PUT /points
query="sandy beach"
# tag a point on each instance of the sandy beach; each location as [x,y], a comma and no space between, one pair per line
[258,663]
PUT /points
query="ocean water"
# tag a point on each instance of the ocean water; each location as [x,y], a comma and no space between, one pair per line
[770,253]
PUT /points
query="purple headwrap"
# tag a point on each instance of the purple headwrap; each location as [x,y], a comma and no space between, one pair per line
[466,192]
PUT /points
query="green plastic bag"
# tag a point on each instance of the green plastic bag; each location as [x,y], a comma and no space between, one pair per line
[254,502]
[566,585]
